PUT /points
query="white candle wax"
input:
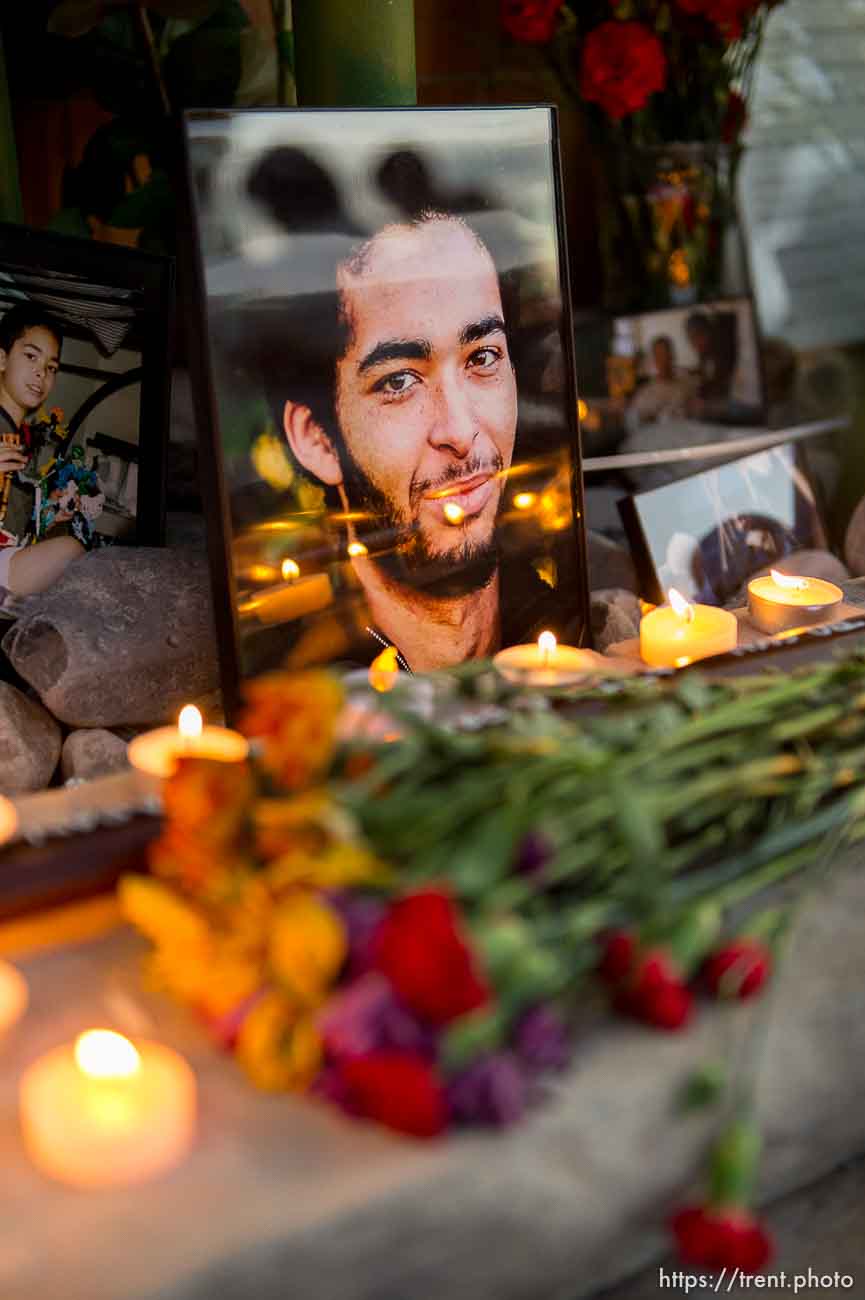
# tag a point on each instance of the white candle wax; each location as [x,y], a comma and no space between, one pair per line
[116,1115]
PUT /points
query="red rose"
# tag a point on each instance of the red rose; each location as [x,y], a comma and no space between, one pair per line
[655,993]
[727,15]
[419,948]
[739,970]
[398,1089]
[718,1239]
[619,948]
[623,64]
[532,21]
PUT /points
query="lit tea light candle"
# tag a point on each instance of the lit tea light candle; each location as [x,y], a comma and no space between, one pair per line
[453,513]
[156,753]
[104,1112]
[356,550]
[8,819]
[674,635]
[781,602]
[293,598]
[525,500]
[545,663]
[13,997]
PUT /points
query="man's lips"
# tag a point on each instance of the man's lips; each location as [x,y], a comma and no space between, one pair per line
[469,495]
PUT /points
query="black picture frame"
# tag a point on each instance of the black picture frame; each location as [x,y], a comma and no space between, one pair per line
[111,301]
[707,533]
[226,156]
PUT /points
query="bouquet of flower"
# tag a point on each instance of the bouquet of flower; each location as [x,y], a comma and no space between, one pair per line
[664,85]
[69,497]
[405,929]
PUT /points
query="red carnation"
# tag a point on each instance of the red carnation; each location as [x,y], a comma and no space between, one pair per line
[623,64]
[398,1089]
[419,948]
[718,1239]
[619,948]
[739,970]
[655,993]
[532,21]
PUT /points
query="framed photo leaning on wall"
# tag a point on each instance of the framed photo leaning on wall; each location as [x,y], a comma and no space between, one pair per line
[84,392]
[385,385]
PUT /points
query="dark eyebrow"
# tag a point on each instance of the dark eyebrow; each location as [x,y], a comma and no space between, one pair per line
[396,350]
[481,328]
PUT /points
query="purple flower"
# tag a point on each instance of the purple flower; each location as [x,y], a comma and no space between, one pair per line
[540,1039]
[361,917]
[491,1091]
[533,853]
[367,1016]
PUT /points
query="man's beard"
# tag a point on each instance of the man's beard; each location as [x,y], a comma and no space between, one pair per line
[408,559]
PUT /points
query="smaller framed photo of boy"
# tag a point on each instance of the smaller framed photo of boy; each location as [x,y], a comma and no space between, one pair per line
[84,393]
[708,533]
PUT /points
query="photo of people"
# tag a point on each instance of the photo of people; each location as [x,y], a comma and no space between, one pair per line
[648,378]
[758,509]
[72,352]
[386,330]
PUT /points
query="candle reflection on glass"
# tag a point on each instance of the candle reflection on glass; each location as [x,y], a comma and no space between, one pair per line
[781,602]
[8,819]
[674,635]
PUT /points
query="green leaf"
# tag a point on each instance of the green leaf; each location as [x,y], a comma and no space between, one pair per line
[472,1036]
[702,1088]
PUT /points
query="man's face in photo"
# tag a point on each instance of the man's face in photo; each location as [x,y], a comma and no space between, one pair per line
[426,397]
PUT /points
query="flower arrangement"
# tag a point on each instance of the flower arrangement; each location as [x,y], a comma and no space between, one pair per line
[665,86]
[405,929]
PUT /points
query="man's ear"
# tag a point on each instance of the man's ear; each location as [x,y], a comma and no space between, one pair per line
[310,444]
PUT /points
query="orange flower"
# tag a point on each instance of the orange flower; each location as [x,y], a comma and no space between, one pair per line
[308,945]
[279,1048]
[294,716]
[209,798]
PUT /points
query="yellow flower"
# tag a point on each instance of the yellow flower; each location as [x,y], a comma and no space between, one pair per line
[294,715]
[229,981]
[270,460]
[334,866]
[181,971]
[161,914]
[278,1048]
[308,945]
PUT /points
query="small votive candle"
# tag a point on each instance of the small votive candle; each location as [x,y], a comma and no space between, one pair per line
[156,753]
[13,997]
[674,635]
[544,663]
[780,602]
[103,1112]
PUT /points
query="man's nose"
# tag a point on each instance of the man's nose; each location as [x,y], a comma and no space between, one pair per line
[454,424]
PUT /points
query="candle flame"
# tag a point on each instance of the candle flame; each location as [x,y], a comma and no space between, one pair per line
[547,648]
[683,607]
[261,573]
[290,570]
[102,1054]
[788,582]
[582,409]
[357,548]
[682,661]
[525,500]
[384,670]
[453,513]
[190,723]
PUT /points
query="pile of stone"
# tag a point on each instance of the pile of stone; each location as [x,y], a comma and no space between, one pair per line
[117,645]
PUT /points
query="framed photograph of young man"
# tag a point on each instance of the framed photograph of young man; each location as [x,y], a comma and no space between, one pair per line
[385,385]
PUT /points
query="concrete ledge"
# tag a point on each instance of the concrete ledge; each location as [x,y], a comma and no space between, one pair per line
[283,1198]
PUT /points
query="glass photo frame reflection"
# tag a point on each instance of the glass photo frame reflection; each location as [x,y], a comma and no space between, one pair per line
[385,385]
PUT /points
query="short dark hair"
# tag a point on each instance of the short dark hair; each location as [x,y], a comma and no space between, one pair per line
[26,316]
